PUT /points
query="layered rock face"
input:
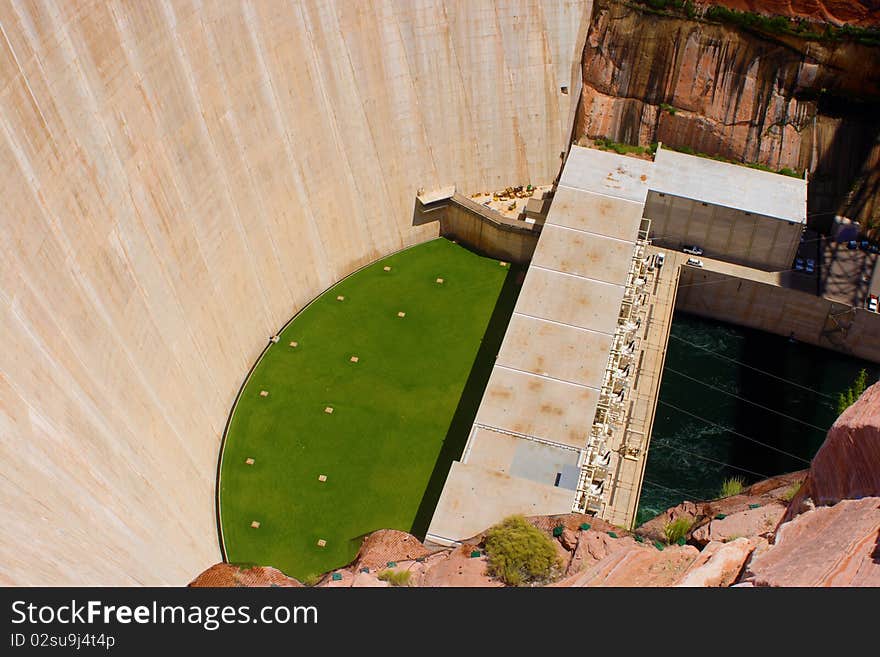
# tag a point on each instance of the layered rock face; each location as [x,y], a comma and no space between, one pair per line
[779,101]
[178,180]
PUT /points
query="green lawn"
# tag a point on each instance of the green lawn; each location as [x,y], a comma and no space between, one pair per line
[400,414]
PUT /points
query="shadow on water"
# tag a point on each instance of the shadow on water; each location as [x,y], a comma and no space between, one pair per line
[463,419]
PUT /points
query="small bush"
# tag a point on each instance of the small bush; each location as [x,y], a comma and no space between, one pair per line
[732,486]
[519,553]
[666,107]
[789,493]
[395,577]
[677,529]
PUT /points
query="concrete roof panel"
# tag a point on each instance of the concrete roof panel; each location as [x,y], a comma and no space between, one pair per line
[556,350]
[596,213]
[537,406]
[585,254]
[608,173]
[569,299]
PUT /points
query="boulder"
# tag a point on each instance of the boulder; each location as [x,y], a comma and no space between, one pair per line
[748,523]
[386,545]
[230,575]
[719,564]
[829,546]
[847,465]
[569,539]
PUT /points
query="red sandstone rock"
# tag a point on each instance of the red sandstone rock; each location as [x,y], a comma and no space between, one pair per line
[719,564]
[459,569]
[230,575]
[747,523]
[569,539]
[828,546]
[386,545]
[847,465]
[638,565]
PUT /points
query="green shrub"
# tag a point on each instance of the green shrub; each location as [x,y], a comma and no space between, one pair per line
[677,529]
[666,107]
[395,577]
[519,553]
[732,486]
[849,396]
[789,493]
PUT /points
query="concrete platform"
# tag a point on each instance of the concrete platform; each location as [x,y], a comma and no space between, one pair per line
[595,213]
[526,459]
[568,299]
[547,409]
[584,254]
[474,498]
[563,352]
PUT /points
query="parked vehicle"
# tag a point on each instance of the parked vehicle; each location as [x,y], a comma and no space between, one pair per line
[864,245]
[872,303]
[852,244]
[693,262]
[811,265]
[661,258]
[799,264]
[874,248]
[693,249]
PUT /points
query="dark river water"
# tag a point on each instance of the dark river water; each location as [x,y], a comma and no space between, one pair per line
[725,390]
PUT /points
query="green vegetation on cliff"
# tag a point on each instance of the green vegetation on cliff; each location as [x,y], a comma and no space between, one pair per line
[520,553]
[849,396]
[755,22]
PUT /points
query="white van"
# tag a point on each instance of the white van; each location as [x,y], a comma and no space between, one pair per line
[693,262]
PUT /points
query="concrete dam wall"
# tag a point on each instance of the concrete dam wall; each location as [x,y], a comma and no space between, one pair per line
[178,180]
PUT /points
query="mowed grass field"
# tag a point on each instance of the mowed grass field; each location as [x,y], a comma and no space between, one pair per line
[392,409]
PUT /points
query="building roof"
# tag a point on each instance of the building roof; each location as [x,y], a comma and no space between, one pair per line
[730,185]
[603,172]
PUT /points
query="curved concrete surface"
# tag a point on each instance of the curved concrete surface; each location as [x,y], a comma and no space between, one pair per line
[178,179]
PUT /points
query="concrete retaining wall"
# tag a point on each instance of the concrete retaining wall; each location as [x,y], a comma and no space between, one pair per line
[487,231]
[783,311]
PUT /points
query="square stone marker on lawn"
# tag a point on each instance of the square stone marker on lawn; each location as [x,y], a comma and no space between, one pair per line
[255,524]
[328,409]
[322,478]
[249,461]
[440,280]
[340,298]
[321,542]
[401,314]
[386,268]
[264,393]
[294,344]
[502,263]
[354,359]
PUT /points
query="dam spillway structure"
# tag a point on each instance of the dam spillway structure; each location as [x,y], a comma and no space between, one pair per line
[178,181]
[565,422]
